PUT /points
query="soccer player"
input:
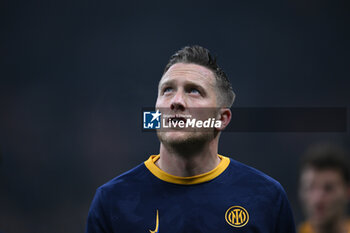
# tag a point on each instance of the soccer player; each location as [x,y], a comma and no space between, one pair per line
[188,186]
[325,190]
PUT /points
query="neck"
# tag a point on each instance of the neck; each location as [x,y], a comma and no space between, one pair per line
[191,160]
[339,226]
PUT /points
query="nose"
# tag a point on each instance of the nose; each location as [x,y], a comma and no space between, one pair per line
[177,102]
[317,195]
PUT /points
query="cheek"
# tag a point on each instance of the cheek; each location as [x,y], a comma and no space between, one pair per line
[312,198]
[307,198]
[203,103]
[335,201]
[160,102]
[339,198]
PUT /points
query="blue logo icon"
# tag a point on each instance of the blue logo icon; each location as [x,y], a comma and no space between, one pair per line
[151,120]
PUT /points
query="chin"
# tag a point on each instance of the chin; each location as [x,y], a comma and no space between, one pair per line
[174,136]
[322,220]
[178,137]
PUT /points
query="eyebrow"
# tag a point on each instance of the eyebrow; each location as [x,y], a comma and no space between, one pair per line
[169,82]
[199,87]
[187,83]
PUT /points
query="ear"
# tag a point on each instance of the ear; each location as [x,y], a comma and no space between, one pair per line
[224,115]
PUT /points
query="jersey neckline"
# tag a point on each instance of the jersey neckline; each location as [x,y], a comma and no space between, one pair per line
[306,227]
[205,177]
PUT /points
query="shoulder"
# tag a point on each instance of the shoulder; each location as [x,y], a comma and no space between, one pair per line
[125,181]
[262,192]
[118,188]
[248,176]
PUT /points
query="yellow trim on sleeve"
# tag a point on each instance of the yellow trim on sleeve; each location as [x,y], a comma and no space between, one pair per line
[156,171]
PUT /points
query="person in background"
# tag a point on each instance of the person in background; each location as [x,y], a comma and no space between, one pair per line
[325,189]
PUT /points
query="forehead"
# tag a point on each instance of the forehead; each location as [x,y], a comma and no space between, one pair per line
[329,175]
[189,72]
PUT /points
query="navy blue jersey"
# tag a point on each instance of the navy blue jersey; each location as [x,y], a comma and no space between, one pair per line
[231,198]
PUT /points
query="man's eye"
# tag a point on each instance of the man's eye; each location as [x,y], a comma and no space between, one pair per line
[167,89]
[194,91]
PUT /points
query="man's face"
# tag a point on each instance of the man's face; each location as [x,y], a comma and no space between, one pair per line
[185,87]
[324,194]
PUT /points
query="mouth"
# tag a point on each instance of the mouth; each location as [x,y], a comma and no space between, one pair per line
[177,119]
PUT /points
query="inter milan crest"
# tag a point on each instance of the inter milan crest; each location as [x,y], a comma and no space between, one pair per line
[237,216]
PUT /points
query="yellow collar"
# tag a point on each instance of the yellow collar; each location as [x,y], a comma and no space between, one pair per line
[150,164]
[306,227]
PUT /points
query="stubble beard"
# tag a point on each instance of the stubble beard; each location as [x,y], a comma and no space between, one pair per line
[186,143]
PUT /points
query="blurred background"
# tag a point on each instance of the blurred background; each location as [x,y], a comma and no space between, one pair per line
[74,76]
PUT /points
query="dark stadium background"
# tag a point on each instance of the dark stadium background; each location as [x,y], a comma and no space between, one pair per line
[75,75]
